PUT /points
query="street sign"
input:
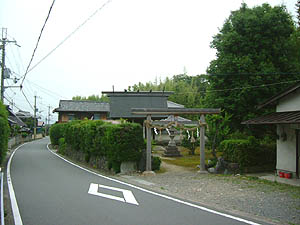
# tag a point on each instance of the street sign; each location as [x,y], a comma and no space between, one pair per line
[128,197]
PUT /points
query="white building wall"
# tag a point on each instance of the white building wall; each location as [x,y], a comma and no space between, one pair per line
[286,149]
[289,103]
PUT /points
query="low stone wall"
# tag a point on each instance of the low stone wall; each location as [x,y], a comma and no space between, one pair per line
[95,162]
[17,140]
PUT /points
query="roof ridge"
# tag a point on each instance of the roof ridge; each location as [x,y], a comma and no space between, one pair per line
[82,101]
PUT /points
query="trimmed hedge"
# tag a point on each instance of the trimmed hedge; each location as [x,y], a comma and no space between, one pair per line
[4,132]
[56,132]
[248,152]
[116,143]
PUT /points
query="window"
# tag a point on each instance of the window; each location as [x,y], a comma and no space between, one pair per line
[97,116]
[71,117]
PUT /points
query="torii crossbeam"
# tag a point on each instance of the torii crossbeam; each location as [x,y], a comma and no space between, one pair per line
[176,112]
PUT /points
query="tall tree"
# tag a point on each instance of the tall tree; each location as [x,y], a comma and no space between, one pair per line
[188,90]
[255,50]
[298,12]
[103,98]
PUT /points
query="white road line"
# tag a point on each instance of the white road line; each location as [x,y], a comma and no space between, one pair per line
[160,195]
[94,191]
[129,197]
[13,200]
[2,204]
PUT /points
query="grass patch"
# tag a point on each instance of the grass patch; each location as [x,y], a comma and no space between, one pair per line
[270,186]
[161,170]
[187,160]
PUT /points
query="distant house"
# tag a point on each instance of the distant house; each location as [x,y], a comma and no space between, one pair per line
[27,118]
[70,110]
[121,103]
[287,120]
[24,114]
[120,106]
[13,119]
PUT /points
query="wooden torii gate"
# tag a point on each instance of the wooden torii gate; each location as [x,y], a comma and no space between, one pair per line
[148,112]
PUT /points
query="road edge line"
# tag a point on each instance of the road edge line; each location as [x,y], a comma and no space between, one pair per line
[2,203]
[12,196]
[158,194]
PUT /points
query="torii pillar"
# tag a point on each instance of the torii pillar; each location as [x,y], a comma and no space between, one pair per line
[202,144]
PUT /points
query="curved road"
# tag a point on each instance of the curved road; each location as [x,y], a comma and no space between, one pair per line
[50,191]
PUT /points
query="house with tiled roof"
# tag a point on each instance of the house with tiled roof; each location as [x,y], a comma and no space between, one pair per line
[119,106]
[287,120]
[71,109]
[13,119]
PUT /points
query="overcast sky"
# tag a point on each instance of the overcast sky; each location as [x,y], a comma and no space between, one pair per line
[126,42]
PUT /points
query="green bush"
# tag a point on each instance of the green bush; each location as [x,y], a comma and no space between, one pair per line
[61,145]
[155,163]
[4,132]
[116,143]
[123,142]
[248,152]
[56,132]
[24,134]
[242,151]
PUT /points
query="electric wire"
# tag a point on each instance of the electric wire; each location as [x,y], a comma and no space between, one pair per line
[46,90]
[238,88]
[11,102]
[251,74]
[71,34]
[36,46]
[15,60]
[21,60]
[251,87]
[27,99]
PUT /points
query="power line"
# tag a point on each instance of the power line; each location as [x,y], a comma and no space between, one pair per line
[251,87]
[239,88]
[37,43]
[251,74]
[71,34]
[27,99]
[11,102]
[46,90]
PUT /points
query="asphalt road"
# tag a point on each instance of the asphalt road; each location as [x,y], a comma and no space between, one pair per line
[51,191]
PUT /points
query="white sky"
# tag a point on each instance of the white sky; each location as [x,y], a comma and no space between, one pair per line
[127,42]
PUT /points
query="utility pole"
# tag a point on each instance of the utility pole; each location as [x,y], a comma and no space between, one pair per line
[4,34]
[49,115]
[4,41]
[34,119]
[47,130]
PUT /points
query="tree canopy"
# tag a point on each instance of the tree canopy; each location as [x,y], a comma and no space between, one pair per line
[256,58]
[103,98]
[188,90]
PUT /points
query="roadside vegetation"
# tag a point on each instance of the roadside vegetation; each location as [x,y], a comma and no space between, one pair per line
[4,132]
[102,144]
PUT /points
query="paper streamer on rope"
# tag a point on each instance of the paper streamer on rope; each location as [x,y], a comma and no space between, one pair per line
[188,133]
[193,139]
[197,132]
[155,131]
[168,131]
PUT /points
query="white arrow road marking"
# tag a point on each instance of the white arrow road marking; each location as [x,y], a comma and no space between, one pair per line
[128,196]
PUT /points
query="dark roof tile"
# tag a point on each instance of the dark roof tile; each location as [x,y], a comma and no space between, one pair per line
[82,106]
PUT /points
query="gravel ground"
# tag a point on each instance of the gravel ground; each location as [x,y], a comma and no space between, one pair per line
[274,203]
